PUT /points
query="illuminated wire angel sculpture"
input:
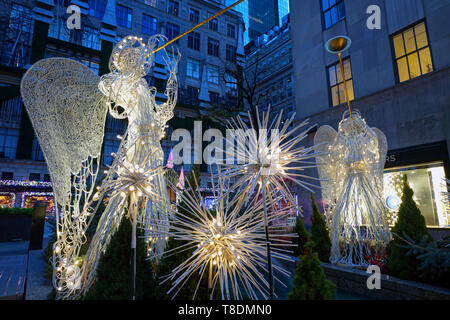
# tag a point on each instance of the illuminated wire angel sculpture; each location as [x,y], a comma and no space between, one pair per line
[351,163]
[67,104]
[229,244]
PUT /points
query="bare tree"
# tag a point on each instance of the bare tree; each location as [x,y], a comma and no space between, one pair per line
[248,83]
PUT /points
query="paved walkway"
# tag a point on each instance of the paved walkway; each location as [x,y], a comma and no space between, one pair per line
[13,271]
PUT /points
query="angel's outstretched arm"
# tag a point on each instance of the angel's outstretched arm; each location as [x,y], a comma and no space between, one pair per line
[164,111]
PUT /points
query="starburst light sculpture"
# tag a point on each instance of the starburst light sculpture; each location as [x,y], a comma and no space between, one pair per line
[229,245]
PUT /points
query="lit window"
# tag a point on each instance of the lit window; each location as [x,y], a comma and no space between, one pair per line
[213,74]
[192,68]
[124,16]
[149,24]
[173,7]
[337,83]
[194,15]
[412,52]
[194,40]
[172,31]
[213,47]
[333,12]
[426,180]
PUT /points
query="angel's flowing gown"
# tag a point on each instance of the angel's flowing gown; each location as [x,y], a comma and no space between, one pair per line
[358,225]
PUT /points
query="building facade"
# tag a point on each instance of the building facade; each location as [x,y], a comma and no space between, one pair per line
[260,16]
[399,77]
[270,62]
[36,29]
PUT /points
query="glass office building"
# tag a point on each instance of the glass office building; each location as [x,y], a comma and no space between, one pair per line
[261,15]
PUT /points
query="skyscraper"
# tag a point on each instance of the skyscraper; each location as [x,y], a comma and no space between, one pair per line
[261,15]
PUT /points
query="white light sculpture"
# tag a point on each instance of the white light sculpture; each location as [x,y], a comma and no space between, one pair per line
[266,156]
[229,243]
[351,168]
[67,104]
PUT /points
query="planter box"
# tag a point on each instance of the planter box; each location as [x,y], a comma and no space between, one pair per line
[15,227]
[355,281]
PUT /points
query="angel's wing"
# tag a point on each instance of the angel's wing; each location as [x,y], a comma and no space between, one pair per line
[325,137]
[382,152]
[68,115]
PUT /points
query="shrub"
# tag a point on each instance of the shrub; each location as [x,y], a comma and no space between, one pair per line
[302,238]
[310,282]
[114,268]
[319,233]
[410,223]
[14,211]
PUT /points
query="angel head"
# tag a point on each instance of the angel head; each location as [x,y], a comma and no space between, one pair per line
[131,58]
[352,126]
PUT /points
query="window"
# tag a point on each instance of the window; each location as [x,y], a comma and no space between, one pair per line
[124,16]
[412,52]
[19,27]
[231,30]
[194,40]
[7,175]
[172,31]
[213,74]
[426,181]
[231,53]
[47,177]
[213,47]
[90,38]
[36,152]
[337,83]
[194,15]
[94,66]
[192,68]
[149,24]
[231,82]
[333,12]
[151,3]
[35,176]
[214,24]
[214,97]
[8,142]
[97,8]
[173,7]
[192,93]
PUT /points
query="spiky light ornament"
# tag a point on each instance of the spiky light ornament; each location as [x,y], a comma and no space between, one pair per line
[229,243]
[267,155]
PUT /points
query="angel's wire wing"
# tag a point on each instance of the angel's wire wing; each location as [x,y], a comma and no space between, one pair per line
[68,115]
[325,137]
[66,110]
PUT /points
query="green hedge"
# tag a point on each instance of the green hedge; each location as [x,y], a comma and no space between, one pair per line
[5,211]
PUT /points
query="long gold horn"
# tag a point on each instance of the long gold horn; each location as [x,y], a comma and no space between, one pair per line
[199,25]
[337,45]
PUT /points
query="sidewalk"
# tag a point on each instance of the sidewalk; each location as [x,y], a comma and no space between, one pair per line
[13,271]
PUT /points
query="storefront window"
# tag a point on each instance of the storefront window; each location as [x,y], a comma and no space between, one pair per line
[428,184]
[7,199]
